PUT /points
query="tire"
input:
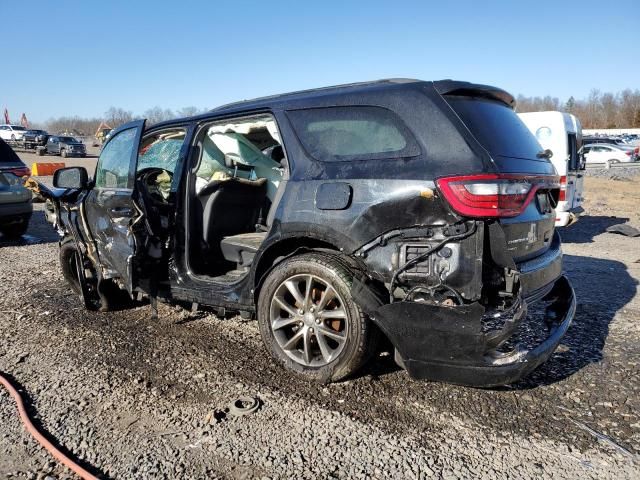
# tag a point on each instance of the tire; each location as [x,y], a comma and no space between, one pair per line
[63,153]
[103,296]
[40,152]
[348,339]
[15,230]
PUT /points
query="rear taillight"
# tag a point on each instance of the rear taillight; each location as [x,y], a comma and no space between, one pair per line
[492,195]
[629,153]
[20,171]
[563,189]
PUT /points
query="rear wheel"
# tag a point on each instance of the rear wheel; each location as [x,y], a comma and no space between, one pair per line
[310,323]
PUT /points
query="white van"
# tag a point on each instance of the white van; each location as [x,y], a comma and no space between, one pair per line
[562,134]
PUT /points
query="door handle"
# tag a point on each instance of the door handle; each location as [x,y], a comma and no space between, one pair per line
[121,211]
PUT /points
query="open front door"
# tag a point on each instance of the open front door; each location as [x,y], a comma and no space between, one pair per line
[109,206]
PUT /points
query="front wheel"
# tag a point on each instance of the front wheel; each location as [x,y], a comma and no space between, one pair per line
[63,152]
[309,321]
[83,278]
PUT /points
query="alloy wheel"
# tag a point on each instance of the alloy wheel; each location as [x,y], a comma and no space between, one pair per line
[309,320]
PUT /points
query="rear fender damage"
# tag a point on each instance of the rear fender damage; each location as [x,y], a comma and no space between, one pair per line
[459,339]
[460,344]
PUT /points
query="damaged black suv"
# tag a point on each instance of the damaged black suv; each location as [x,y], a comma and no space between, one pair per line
[421,211]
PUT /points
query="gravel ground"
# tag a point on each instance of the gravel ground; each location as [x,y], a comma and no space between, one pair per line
[133,397]
[617,173]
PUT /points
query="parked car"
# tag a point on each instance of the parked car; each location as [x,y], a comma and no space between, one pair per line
[11,132]
[420,210]
[561,134]
[603,140]
[35,138]
[65,146]
[600,153]
[15,200]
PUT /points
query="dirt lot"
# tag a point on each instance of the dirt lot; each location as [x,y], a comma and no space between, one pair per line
[89,162]
[135,397]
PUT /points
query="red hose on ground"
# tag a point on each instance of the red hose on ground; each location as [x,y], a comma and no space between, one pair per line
[61,457]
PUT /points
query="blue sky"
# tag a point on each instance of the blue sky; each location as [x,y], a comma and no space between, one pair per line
[81,57]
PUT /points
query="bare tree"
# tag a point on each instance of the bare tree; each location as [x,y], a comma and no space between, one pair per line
[117,116]
[157,115]
[598,110]
[188,111]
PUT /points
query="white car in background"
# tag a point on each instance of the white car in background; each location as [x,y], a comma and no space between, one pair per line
[12,132]
[603,153]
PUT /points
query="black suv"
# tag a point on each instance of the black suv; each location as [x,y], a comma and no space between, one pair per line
[422,211]
[35,138]
[64,146]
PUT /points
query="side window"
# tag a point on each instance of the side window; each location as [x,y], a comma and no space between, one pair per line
[161,150]
[115,160]
[353,133]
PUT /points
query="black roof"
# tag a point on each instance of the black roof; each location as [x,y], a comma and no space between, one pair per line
[286,100]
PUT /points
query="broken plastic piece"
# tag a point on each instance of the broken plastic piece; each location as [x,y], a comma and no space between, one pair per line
[244,406]
[624,229]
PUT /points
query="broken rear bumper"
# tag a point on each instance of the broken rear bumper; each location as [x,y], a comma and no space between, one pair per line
[461,344]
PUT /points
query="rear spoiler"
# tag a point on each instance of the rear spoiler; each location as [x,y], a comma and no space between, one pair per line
[466,89]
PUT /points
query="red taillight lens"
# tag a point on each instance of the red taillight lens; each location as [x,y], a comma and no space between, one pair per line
[563,189]
[489,195]
[630,152]
[21,171]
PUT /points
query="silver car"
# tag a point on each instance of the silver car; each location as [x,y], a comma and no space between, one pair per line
[15,200]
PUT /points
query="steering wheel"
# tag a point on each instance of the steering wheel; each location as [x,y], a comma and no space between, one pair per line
[148,181]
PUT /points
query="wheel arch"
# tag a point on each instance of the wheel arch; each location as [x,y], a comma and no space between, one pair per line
[290,247]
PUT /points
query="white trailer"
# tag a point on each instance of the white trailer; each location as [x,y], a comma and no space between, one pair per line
[562,134]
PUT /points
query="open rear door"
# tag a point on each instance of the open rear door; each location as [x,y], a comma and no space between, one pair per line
[109,207]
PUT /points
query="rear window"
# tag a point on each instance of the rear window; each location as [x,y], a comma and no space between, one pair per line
[497,127]
[353,133]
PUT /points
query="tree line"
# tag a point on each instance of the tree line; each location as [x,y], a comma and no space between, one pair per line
[114,117]
[598,110]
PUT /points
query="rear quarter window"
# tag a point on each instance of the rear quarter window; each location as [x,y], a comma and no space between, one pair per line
[353,133]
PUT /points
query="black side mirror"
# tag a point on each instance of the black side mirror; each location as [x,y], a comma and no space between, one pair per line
[71,177]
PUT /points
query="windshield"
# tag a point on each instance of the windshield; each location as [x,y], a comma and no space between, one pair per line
[497,127]
[17,128]
[68,140]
